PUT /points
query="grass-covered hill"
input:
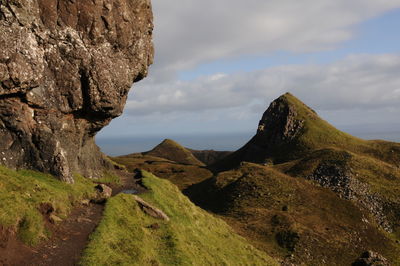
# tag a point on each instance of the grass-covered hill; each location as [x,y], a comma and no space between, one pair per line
[294,218]
[128,236]
[173,151]
[304,189]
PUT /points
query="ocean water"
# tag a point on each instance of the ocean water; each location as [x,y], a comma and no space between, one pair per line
[126,145]
[224,142]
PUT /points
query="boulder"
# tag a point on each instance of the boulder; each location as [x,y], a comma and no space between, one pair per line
[103,193]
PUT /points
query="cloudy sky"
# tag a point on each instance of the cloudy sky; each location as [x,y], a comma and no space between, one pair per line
[219,63]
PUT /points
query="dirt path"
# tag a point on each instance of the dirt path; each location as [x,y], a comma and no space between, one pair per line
[69,238]
[68,241]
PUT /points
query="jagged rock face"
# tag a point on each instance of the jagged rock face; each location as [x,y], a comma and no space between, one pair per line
[278,124]
[278,129]
[65,71]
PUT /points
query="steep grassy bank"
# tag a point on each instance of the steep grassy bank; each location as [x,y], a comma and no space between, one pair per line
[128,236]
[27,198]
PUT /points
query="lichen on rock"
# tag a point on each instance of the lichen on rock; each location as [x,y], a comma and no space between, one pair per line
[66,68]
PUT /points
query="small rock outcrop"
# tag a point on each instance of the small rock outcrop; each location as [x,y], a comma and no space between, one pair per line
[370,258]
[65,71]
[339,178]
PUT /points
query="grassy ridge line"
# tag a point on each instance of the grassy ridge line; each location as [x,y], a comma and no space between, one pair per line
[22,192]
[127,236]
[319,134]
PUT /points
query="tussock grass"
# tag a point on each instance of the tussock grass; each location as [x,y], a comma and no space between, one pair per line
[22,192]
[191,237]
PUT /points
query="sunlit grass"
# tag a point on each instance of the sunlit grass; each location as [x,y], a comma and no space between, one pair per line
[22,192]
[191,237]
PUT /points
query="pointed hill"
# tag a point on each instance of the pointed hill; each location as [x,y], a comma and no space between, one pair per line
[173,151]
[289,130]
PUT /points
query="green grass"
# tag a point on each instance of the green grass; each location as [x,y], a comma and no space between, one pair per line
[191,237]
[21,194]
[110,178]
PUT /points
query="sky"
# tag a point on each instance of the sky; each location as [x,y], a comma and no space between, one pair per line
[219,63]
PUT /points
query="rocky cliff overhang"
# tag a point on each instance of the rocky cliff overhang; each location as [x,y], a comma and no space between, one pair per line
[66,67]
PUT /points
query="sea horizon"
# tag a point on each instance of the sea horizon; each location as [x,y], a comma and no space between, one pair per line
[116,146]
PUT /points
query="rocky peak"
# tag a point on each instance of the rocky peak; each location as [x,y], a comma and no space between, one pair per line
[287,130]
[66,68]
[280,122]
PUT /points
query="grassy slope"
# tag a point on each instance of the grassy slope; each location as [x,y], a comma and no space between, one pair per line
[22,193]
[318,134]
[263,205]
[383,178]
[191,237]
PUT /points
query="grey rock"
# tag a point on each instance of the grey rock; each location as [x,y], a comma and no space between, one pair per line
[103,193]
[66,68]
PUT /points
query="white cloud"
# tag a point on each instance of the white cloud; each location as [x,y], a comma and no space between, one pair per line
[362,89]
[356,82]
[191,32]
